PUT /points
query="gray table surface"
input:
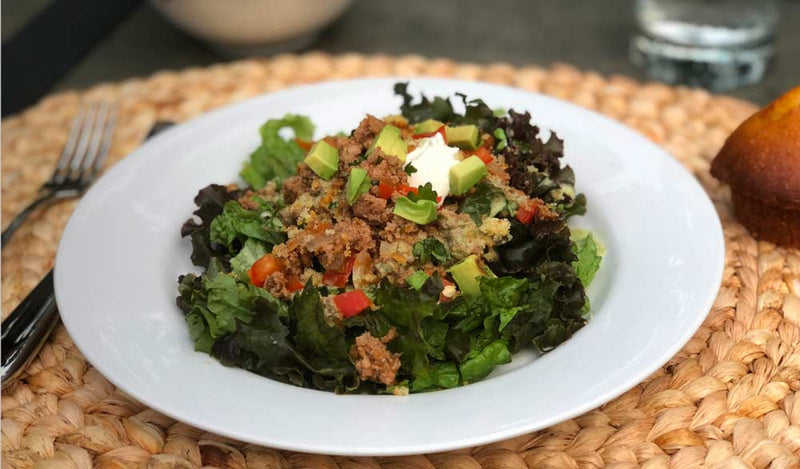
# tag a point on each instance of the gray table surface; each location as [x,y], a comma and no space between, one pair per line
[592,35]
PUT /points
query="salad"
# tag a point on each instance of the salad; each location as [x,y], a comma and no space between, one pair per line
[417,252]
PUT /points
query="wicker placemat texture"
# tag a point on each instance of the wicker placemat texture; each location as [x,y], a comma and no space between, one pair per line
[728,399]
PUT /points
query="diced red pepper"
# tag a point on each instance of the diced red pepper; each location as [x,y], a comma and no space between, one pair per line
[263,268]
[526,212]
[351,303]
[403,189]
[440,130]
[483,153]
[339,278]
[304,144]
[385,190]
[294,285]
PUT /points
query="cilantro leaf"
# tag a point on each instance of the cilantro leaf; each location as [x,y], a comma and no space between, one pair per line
[425,192]
[431,250]
[485,201]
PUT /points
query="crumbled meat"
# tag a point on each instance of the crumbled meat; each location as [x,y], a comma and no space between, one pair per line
[302,183]
[349,153]
[373,361]
[385,168]
[367,129]
[400,229]
[277,284]
[349,237]
[330,244]
[372,209]
[543,212]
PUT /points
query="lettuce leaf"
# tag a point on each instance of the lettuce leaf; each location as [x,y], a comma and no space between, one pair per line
[276,159]
[477,368]
[236,224]
[252,250]
[322,344]
[210,202]
[441,375]
[588,261]
[476,112]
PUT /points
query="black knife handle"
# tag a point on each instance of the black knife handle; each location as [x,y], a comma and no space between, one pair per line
[25,330]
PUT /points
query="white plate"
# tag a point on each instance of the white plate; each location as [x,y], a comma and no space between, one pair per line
[121,254]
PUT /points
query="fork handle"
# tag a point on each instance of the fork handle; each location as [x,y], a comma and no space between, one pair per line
[17,221]
[26,328]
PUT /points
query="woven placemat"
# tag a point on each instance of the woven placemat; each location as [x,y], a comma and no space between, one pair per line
[728,399]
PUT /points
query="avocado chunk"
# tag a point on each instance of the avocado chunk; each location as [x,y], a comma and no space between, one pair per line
[467,275]
[417,279]
[427,126]
[323,159]
[391,143]
[466,174]
[420,212]
[357,184]
[465,137]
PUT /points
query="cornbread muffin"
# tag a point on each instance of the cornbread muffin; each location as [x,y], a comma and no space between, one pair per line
[761,163]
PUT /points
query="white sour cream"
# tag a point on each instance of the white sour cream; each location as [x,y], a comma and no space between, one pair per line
[433,160]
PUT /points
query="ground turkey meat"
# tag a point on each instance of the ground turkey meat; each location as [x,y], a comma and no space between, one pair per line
[367,129]
[373,361]
[386,169]
[302,183]
[330,244]
[372,209]
[346,239]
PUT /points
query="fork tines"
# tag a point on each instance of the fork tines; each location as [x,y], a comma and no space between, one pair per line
[87,144]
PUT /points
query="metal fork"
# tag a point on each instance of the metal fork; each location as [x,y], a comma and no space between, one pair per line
[83,155]
[26,329]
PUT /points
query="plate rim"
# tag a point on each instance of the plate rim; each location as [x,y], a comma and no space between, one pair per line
[484,437]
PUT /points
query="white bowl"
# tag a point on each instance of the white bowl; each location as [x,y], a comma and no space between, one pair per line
[121,253]
[247,27]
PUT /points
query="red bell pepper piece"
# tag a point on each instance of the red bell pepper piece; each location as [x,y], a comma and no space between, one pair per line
[263,268]
[304,144]
[351,303]
[403,189]
[526,212]
[385,190]
[483,153]
[440,130]
[339,278]
[294,285]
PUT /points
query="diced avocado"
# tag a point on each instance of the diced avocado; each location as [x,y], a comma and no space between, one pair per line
[323,159]
[417,279]
[391,143]
[465,137]
[420,212]
[467,274]
[427,126]
[497,205]
[357,184]
[466,174]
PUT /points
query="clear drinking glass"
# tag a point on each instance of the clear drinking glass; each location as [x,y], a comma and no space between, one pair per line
[716,44]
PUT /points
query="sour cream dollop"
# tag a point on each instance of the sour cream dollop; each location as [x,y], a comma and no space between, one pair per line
[432,159]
